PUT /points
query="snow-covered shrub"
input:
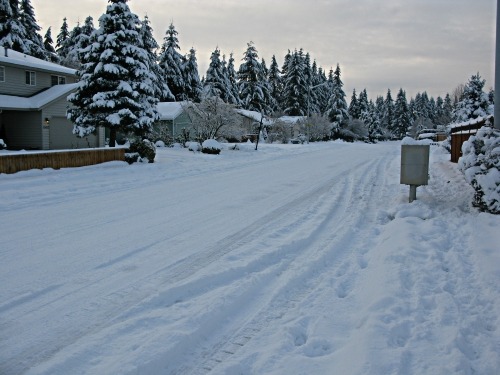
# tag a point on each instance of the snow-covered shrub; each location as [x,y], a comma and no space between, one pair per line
[143,151]
[159,144]
[3,146]
[211,146]
[193,146]
[480,164]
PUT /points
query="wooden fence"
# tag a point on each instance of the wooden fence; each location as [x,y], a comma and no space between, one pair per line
[460,134]
[13,162]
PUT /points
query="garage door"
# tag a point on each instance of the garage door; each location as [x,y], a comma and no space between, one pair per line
[62,137]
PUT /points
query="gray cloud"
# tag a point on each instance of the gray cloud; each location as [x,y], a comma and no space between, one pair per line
[418,45]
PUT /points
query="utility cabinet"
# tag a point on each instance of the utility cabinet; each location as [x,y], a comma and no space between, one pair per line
[414,167]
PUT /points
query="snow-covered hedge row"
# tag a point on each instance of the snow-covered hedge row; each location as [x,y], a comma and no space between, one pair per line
[480,164]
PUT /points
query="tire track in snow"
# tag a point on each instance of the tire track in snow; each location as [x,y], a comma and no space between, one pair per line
[144,286]
[325,252]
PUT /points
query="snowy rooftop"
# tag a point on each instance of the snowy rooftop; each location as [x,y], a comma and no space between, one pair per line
[291,119]
[17,58]
[470,122]
[9,102]
[170,110]
[254,115]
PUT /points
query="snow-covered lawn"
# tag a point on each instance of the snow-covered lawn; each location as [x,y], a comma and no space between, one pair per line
[295,259]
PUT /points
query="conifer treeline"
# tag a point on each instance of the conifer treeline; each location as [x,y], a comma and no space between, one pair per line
[298,88]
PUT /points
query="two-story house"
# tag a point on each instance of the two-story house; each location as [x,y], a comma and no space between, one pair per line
[33,104]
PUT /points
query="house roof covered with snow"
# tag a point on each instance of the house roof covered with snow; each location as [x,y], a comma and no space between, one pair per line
[254,115]
[20,59]
[474,121]
[170,110]
[291,119]
[36,102]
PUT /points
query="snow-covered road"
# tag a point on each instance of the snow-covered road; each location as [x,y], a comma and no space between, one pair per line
[293,259]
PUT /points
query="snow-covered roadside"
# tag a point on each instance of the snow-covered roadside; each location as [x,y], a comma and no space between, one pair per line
[295,259]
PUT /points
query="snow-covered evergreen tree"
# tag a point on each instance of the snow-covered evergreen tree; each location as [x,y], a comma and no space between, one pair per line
[363,102]
[48,41]
[215,83]
[252,82]
[12,30]
[337,105]
[172,62]
[388,113]
[232,82]
[276,85]
[314,89]
[372,121]
[193,87]
[354,107]
[62,39]
[324,92]
[78,40]
[474,102]
[116,88]
[447,109]
[402,120]
[162,91]
[33,38]
[70,56]
[295,86]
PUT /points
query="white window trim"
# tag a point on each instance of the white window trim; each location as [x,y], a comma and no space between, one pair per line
[32,81]
[60,79]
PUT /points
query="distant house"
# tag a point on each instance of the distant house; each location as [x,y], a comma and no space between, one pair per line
[173,118]
[33,104]
[251,122]
[294,124]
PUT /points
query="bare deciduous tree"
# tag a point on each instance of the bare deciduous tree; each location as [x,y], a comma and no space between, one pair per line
[212,118]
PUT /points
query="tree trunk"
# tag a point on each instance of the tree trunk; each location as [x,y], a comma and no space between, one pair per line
[112,137]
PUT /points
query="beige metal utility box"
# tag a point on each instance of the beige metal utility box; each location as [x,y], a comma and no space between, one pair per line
[414,167]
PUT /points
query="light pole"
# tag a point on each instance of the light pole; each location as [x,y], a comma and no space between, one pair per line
[496,115]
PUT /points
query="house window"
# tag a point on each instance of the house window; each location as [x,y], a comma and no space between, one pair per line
[58,80]
[30,78]
[2,74]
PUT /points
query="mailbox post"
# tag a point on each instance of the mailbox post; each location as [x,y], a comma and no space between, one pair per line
[414,167]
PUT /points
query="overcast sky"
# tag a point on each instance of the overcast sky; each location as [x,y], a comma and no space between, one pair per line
[419,45]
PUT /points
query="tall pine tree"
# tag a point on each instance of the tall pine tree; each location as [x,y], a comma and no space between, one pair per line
[12,30]
[337,105]
[193,87]
[162,91]
[253,87]
[295,86]
[116,88]
[232,82]
[388,113]
[402,119]
[172,62]
[474,102]
[62,39]
[276,85]
[354,108]
[33,39]
[215,84]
